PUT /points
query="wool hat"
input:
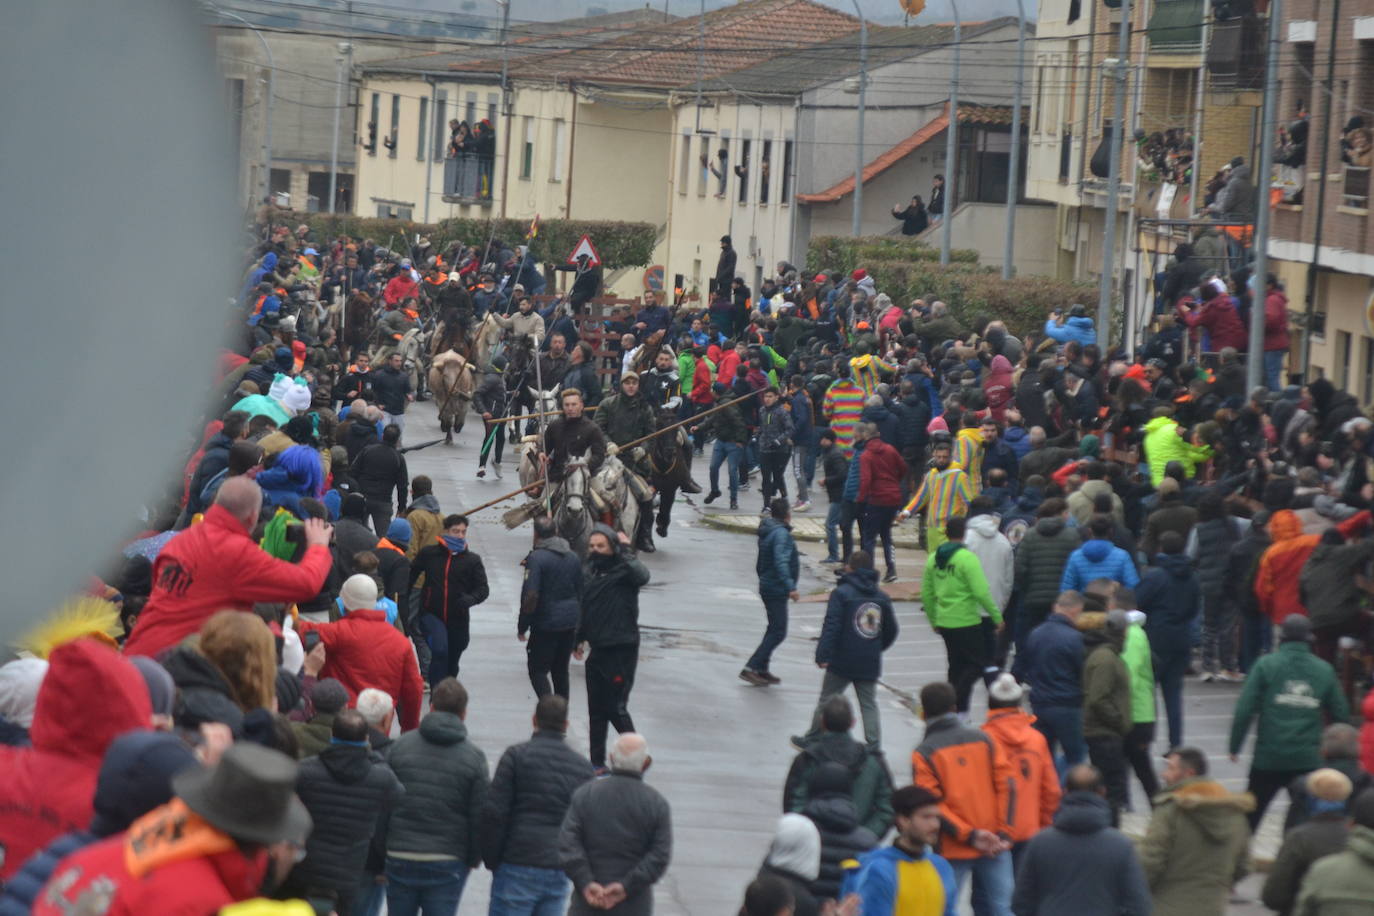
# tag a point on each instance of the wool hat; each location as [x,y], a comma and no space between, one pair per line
[162,690]
[858,274]
[19,683]
[329,696]
[292,652]
[297,397]
[398,532]
[1296,628]
[359,593]
[1090,446]
[1329,785]
[250,795]
[136,777]
[1006,689]
[354,506]
[283,359]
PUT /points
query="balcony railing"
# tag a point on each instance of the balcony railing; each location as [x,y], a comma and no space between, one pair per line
[1175,27]
[467,177]
[1235,53]
[1355,189]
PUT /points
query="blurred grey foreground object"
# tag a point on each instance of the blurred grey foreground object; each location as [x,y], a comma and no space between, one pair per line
[117,173]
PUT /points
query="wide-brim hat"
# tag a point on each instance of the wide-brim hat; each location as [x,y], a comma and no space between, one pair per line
[250,795]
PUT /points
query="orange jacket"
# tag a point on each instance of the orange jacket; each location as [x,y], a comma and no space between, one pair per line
[969,772]
[1276,583]
[1036,794]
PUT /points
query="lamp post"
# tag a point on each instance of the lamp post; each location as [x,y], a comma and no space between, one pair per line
[271,91]
[345,48]
[857,226]
[1014,162]
[1254,365]
[951,142]
[1113,204]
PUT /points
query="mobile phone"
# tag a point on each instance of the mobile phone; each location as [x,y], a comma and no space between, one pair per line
[309,640]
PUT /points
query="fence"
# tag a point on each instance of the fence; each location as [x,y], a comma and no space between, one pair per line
[467,176]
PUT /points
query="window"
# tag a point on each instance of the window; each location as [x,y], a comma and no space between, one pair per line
[742,170]
[279,181]
[527,147]
[371,144]
[719,165]
[391,141]
[424,125]
[684,166]
[765,169]
[492,99]
[393,211]
[1342,375]
[470,110]
[440,124]
[559,140]
[704,172]
[785,193]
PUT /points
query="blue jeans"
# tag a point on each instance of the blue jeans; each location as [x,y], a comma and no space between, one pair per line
[521,890]
[1256,638]
[1065,725]
[431,888]
[992,882]
[723,452]
[803,457]
[1171,662]
[371,895]
[833,518]
[776,606]
[1273,369]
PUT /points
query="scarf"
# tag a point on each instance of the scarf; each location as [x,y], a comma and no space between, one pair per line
[455,545]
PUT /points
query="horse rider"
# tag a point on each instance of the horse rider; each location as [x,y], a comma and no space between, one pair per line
[572,437]
[625,417]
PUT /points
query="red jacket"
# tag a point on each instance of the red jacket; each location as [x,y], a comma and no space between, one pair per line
[725,371]
[881,470]
[362,650]
[1222,321]
[179,867]
[400,288]
[212,567]
[701,383]
[90,696]
[1367,733]
[1276,321]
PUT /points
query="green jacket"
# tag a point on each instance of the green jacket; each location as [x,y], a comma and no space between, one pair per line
[954,588]
[686,371]
[625,419]
[1106,693]
[1343,884]
[1163,444]
[1196,848]
[313,736]
[1140,664]
[1289,690]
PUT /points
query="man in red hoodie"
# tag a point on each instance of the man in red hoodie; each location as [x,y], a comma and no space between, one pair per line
[1219,316]
[90,696]
[216,566]
[881,469]
[1275,332]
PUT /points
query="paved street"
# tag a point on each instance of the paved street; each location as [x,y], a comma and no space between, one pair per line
[720,747]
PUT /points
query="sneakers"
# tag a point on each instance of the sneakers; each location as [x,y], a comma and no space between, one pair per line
[801,505]
[1231,677]
[831,561]
[744,485]
[496,470]
[891,576]
[734,504]
[662,530]
[753,677]
[481,472]
[712,497]
[1208,677]
[770,678]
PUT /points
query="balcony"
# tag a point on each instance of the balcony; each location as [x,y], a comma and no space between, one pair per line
[1355,187]
[1235,54]
[1175,27]
[467,179]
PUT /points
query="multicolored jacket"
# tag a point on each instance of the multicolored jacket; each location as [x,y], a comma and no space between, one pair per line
[892,882]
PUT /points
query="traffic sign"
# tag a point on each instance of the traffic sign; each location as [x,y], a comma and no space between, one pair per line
[584,255]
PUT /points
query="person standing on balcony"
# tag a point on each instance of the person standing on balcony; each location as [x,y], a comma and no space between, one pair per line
[915,219]
[936,207]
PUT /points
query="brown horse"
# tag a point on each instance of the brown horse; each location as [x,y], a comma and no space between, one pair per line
[451,380]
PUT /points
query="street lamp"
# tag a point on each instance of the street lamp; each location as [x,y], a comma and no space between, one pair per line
[1014,163]
[951,143]
[857,227]
[271,91]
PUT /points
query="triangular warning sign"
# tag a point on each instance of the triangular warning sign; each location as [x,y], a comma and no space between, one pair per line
[585,250]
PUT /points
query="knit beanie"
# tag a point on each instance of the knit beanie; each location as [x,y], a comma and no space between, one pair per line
[359,593]
[398,532]
[19,683]
[162,690]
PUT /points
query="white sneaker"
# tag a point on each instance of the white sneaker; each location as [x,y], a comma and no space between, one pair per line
[496,470]
[801,505]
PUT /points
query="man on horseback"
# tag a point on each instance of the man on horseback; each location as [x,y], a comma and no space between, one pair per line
[572,437]
[625,417]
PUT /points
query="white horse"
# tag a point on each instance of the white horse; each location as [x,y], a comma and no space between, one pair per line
[485,338]
[451,380]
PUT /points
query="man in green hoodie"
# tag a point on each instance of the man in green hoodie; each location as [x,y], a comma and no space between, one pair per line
[960,607]
[1140,665]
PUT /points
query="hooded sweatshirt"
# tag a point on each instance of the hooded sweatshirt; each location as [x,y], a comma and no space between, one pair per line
[1164,444]
[954,591]
[994,552]
[1279,580]
[1037,784]
[997,387]
[1171,597]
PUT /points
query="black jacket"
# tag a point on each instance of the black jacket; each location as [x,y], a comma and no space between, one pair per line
[1052,663]
[836,468]
[842,838]
[490,396]
[617,830]
[1081,865]
[345,789]
[610,601]
[725,271]
[564,439]
[391,387]
[394,570]
[1040,560]
[360,435]
[214,459]
[445,779]
[551,598]
[454,582]
[1170,597]
[529,795]
[859,627]
[870,781]
[379,469]
[350,537]
[203,694]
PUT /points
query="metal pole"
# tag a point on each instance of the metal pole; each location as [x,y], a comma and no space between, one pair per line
[1314,269]
[271,92]
[857,227]
[701,60]
[338,114]
[951,142]
[1014,162]
[1113,204]
[1254,366]
[505,53]
[429,166]
[1194,204]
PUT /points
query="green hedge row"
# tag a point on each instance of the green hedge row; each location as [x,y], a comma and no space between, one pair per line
[620,244]
[842,252]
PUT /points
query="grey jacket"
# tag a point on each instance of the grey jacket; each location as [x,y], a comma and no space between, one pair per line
[445,778]
[617,830]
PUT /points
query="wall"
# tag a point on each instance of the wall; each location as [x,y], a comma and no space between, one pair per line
[983,227]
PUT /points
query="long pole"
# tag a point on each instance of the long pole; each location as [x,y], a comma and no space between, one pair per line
[266,177]
[1314,269]
[1194,203]
[1255,365]
[856,228]
[951,142]
[1014,162]
[334,147]
[1113,205]
[429,166]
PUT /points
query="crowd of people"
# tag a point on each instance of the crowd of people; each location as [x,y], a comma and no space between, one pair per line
[281,646]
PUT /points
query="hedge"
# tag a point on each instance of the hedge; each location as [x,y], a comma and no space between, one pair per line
[620,244]
[905,270]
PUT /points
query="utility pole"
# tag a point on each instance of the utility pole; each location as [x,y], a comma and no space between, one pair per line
[344,48]
[1113,204]
[266,177]
[1254,365]
[1314,268]
[951,143]
[857,227]
[1014,162]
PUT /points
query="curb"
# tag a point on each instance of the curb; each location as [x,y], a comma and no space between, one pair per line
[804,528]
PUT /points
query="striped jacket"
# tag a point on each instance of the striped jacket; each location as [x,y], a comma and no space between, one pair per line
[844,404]
[969,449]
[944,494]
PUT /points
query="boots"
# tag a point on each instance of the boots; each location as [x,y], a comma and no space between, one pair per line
[691,486]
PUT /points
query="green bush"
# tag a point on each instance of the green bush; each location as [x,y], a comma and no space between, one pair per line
[840,252]
[620,244]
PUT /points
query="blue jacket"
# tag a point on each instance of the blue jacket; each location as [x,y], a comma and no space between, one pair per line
[21,893]
[1098,560]
[1001,455]
[925,884]
[1052,663]
[927,388]
[889,428]
[778,563]
[551,598]
[1018,440]
[1079,329]
[801,418]
[852,480]
[859,626]
[1170,596]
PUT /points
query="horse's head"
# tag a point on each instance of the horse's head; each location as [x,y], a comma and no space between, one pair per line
[545,401]
[575,485]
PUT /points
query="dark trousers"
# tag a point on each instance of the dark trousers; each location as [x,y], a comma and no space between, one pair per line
[498,440]
[1264,785]
[1326,640]
[1028,617]
[1137,745]
[1108,754]
[546,656]
[380,510]
[610,674]
[666,497]
[1062,725]
[848,513]
[1256,638]
[966,648]
[773,466]
[876,523]
[1170,665]
[776,607]
[446,640]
